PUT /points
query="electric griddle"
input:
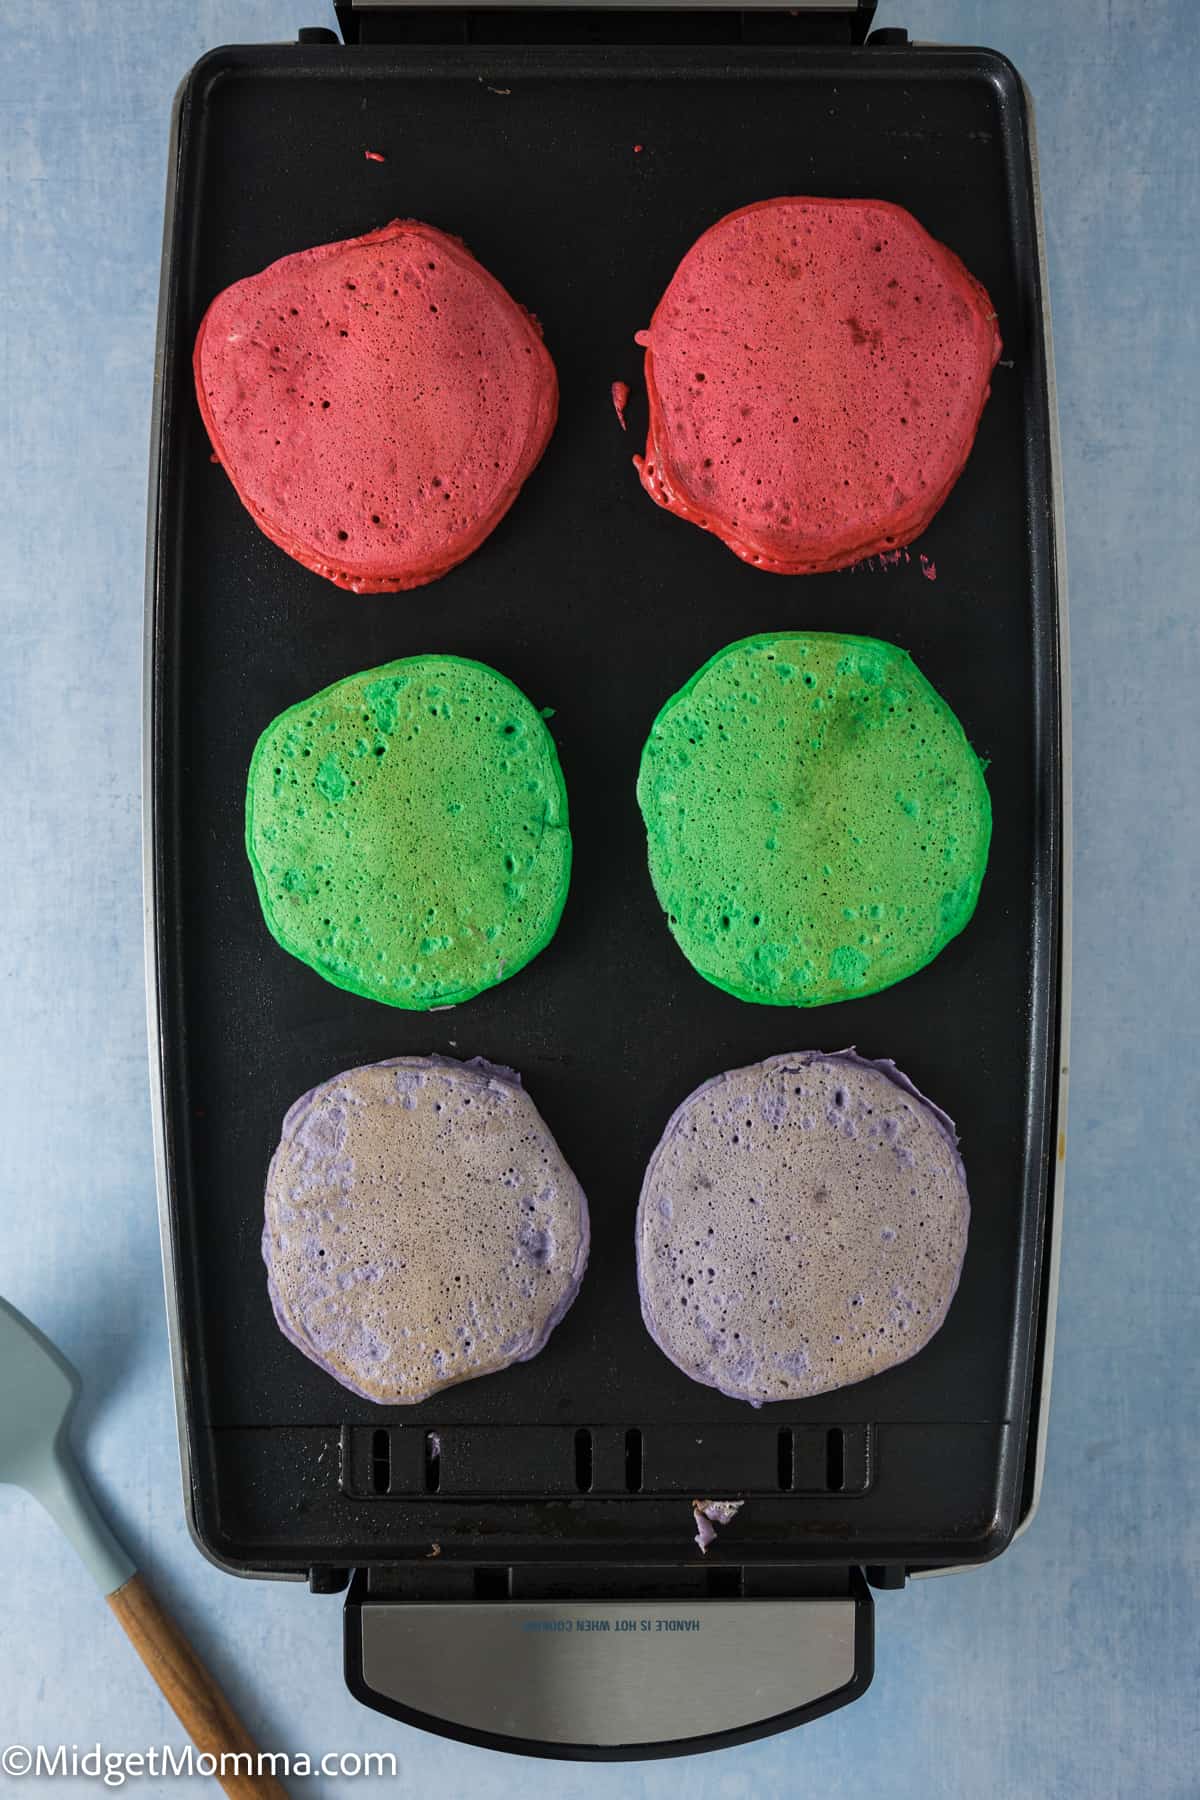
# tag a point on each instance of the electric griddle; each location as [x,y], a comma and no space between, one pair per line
[519,1551]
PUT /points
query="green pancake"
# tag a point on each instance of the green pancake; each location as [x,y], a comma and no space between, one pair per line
[818,824]
[407,829]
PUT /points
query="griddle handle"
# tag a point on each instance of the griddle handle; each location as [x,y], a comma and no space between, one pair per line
[610,1679]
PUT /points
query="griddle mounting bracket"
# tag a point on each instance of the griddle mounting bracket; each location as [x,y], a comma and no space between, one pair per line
[816,22]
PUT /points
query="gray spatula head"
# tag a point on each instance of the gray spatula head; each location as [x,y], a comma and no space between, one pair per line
[38,1389]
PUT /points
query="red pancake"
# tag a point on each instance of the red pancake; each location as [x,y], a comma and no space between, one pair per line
[376,403]
[816,372]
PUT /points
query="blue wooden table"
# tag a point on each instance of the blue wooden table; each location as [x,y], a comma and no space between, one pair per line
[1069,1668]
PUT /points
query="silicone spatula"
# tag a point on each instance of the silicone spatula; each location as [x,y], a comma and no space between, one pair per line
[38,1390]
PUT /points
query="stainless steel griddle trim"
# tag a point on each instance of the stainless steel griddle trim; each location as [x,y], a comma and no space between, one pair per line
[1058,1192]
[1058,1188]
[150,888]
[565,1674]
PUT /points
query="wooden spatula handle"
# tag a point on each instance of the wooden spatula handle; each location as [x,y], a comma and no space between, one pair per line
[194,1696]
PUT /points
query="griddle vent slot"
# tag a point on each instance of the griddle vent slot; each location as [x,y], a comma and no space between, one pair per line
[583,1460]
[835,1459]
[381,1462]
[462,1462]
[786,1459]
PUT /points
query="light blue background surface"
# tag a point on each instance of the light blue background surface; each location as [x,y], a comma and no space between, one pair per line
[1069,1668]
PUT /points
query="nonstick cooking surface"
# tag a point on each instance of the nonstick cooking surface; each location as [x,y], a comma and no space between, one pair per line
[600,605]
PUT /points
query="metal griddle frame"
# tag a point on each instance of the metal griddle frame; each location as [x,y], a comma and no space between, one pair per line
[634,1653]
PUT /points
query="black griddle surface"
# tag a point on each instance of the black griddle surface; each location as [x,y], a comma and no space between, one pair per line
[599,604]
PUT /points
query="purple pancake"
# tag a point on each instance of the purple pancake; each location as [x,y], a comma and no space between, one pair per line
[422,1227]
[802,1226]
